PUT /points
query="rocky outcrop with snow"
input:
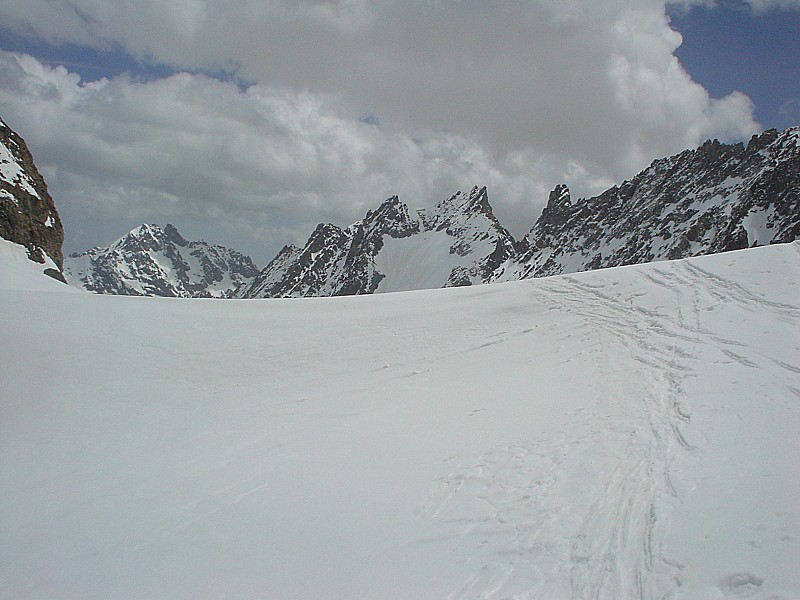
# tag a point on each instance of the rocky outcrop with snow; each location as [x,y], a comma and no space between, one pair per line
[335,261]
[476,232]
[151,261]
[719,197]
[28,215]
[458,242]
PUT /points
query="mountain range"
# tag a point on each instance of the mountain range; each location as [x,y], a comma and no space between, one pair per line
[715,198]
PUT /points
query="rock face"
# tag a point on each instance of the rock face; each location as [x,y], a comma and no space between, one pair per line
[478,234]
[459,242]
[28,215]
[151,261]
[718,197]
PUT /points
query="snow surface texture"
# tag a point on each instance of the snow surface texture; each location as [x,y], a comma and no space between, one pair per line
[624,433]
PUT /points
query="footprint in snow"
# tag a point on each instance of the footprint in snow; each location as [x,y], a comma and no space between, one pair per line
[740,585]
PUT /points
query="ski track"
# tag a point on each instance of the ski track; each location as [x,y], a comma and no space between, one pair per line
[511,493]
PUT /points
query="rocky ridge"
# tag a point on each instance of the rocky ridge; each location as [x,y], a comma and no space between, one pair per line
[151,261]
[28,214]
[716,198]
[458,242]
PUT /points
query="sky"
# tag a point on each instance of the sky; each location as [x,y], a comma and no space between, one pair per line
[248,123]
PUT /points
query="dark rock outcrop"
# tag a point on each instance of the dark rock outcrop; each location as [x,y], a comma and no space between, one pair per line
[28,215]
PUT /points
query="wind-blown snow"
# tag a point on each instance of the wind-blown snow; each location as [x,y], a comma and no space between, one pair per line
[623,433]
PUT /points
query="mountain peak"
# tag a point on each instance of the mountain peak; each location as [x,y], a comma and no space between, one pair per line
[478,201]
[151,261]
[391,218]
[171,234]
[460,204]
[559,198]
[764,139]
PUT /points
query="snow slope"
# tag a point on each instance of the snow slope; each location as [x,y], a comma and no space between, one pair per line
[623,433]
[18,272]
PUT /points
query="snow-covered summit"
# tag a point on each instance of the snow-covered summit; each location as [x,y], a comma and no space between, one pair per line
[151,261]
[394,248]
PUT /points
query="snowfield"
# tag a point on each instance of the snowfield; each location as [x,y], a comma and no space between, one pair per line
[18,272]
[619,434]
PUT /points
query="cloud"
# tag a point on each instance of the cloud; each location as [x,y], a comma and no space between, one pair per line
[263,162]
[353,101]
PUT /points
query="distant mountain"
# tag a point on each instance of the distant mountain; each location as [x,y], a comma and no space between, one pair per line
[719,197]
[716,198]
[28,215]
[459,242]
[151,261]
